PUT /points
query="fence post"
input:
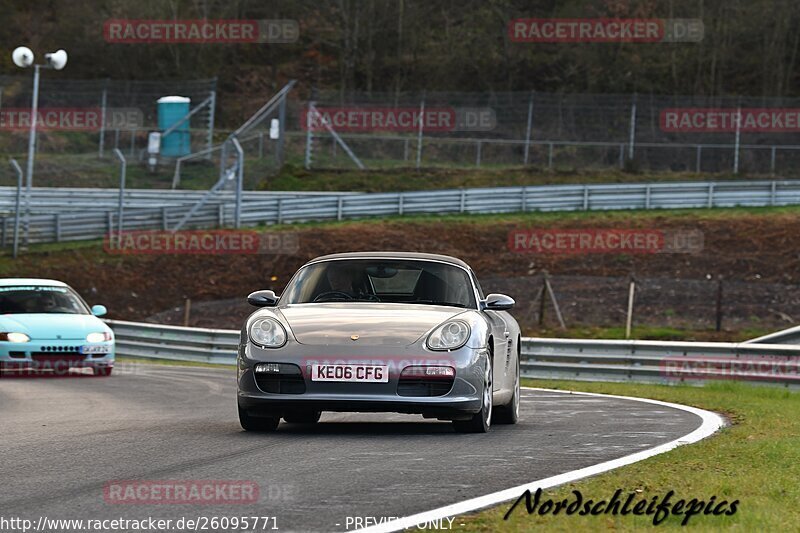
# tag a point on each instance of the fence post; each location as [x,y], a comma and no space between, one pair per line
[528,129]
[419,133]
[121,203]
[211,111]
[550,157]
[221,216]
[405,150]
[622,155]
[164,219]
[57,224]
[629,320]
[773,193]
[772,161]
[710,195]
[400,204]
[736,144]
[280,210]
[478,155]
[585,197]
[339,206]
[524,198]
[133,141]
[699,155]
[103,102]
[632,129]
[18,199]
[463,200]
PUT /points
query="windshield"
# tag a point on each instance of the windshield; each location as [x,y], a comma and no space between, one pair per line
[40,299]
[373,280]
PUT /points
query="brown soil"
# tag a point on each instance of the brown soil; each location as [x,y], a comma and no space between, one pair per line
[757,255]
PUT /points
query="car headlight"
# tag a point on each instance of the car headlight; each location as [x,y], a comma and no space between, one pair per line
[99,337]
[267,333]
[14,337]
[449,336]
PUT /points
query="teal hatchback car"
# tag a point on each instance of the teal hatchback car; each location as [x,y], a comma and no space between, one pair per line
[46,325]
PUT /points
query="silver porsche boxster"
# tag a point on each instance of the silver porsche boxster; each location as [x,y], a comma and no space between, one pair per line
[380,332]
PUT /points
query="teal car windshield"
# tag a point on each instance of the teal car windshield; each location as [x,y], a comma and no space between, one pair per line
[40,299]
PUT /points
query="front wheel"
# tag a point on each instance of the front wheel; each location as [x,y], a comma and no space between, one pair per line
[509,413]
[482,420]
[102,370]
[257,423]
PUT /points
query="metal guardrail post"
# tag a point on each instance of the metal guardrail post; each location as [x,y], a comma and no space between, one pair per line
[698,157]
[772,161]
[121,203]
[736,144]
[18,170]
[478,155]
[309,135]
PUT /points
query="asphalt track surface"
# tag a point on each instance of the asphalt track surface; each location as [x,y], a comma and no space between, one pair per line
[63,439]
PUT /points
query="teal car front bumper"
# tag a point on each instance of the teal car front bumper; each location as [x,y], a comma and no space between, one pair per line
[57,357]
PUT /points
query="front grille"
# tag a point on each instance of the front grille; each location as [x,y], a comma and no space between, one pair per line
[416,386]
[288,381]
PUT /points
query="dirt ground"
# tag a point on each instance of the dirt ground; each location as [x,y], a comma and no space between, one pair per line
[757,256]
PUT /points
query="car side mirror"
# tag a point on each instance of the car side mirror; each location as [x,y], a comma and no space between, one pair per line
[498,302]
[262,299]
[99,310]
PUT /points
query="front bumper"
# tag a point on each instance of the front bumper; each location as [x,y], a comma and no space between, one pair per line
[461,400]
[55,356]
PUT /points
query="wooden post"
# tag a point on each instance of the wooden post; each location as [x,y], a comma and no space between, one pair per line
[542,298]
[555,302]
[187,309]
[629,321]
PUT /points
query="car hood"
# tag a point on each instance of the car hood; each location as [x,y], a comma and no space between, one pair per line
[51,326]
[375,324]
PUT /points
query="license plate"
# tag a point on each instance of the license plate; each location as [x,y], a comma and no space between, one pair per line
[350,373]
[94,349]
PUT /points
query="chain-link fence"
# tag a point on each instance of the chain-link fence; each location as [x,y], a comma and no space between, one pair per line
[553,131]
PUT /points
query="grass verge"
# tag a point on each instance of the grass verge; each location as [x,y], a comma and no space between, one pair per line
[756,460]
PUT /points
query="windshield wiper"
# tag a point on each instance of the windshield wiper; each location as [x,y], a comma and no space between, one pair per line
[434,302]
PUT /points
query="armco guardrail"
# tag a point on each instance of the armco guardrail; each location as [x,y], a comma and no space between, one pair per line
[156,341]
[574,359]
[165,209]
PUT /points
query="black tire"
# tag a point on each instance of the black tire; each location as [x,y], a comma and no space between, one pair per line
[303,417]
[102,370]
[509,413]
[257,423]
[482,420]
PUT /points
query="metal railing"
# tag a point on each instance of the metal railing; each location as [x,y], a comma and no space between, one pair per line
[163,211]
[573,359]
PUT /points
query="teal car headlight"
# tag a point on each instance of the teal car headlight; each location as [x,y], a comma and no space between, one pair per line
[14,337]
[99,337]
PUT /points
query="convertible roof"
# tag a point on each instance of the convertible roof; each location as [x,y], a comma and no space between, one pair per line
[393,255]
[10,282]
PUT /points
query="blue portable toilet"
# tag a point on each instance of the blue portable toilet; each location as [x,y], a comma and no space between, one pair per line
[170,110]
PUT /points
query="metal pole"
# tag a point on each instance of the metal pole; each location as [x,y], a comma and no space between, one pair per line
[103,103]
[633,128]
[419,134]
[211,106]
[121,204]
[31,150]
[309,137]
[528,131]
[736,153]
[239,181]
[18,170]
[281,131]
